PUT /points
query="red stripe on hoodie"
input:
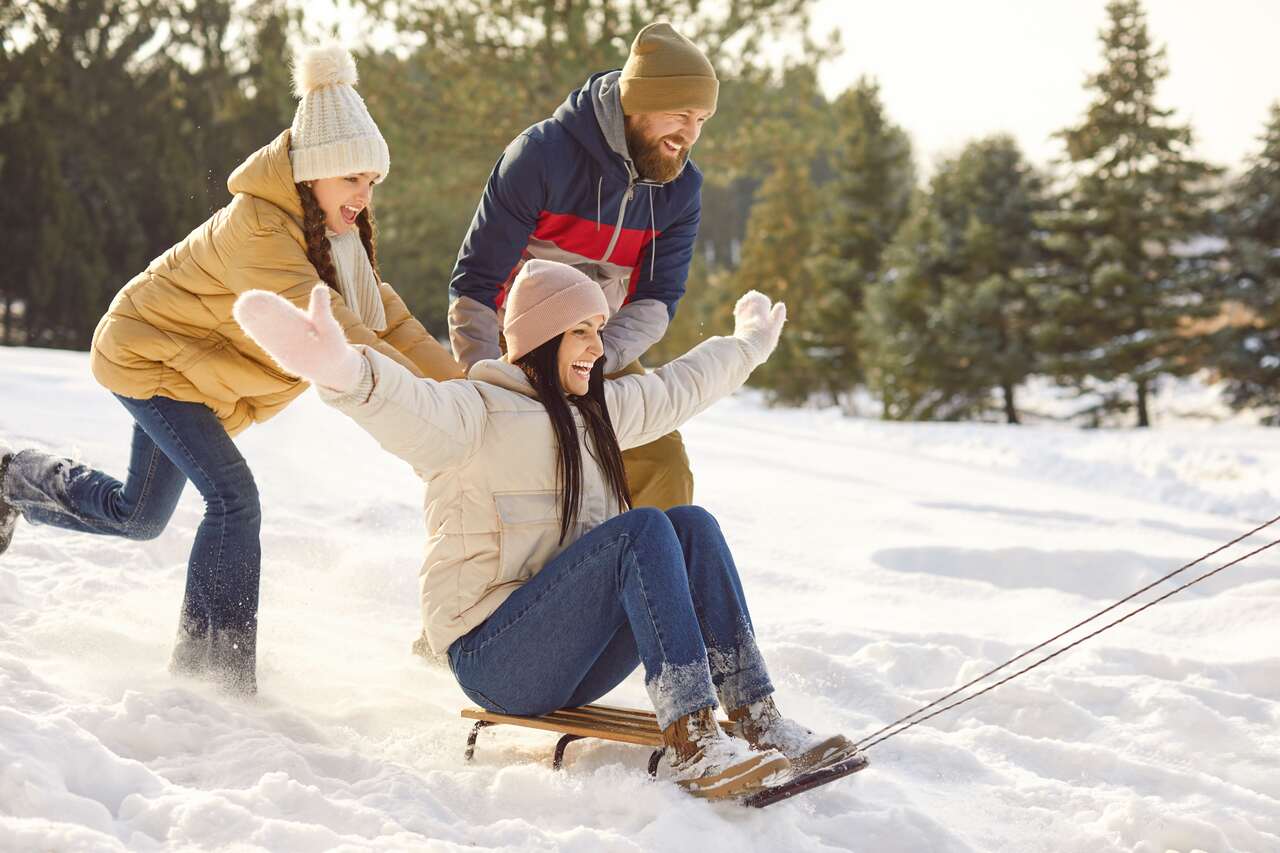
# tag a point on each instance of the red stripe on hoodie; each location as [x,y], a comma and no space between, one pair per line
[589,239]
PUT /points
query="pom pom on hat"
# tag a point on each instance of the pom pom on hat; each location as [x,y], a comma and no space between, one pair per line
[323,65]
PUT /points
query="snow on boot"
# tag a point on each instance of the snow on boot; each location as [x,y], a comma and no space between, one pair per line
[225,657]
[190,658]
[233,661]
[708,763]
[8,512]
[763,726]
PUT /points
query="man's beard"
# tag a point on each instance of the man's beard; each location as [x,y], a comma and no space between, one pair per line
[652,160]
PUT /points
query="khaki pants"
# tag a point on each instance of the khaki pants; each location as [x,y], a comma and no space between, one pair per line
[658,472]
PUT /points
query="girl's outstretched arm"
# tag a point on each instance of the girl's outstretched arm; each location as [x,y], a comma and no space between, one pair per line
[431,425]
[646,407]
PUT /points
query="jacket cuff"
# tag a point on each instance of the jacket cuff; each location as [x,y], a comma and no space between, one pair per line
[360,394]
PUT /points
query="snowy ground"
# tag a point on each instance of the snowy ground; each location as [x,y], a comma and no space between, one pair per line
[885,565]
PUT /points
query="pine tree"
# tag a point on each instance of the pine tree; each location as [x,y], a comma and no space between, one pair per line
[902,352]
[989,201]
[1127,275]
[122,118]
[82,83]
[866,202]
[775,261]
[1249,350]
[952,319]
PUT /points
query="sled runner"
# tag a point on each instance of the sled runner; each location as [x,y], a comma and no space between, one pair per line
[628,725]
[788,788]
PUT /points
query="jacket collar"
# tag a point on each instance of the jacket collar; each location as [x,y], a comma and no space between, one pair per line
[500,372]
[268,174]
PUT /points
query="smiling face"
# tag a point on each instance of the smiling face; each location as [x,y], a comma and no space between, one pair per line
[343,198]
[659,142]
[580,349]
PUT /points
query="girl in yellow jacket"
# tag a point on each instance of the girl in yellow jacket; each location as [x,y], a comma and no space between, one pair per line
[171,352]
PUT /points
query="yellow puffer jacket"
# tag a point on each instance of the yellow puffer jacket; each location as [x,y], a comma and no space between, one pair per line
[170,333]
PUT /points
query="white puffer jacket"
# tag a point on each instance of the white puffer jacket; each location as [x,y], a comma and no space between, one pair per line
[487,451]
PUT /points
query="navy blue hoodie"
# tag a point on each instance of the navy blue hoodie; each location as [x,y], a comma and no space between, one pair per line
[566,190]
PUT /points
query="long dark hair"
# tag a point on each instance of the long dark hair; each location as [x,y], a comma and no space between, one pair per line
[542,366]
[318,251]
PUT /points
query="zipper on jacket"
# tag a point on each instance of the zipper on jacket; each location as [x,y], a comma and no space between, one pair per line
[622,212]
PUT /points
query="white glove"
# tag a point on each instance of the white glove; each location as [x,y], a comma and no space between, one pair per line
[757,324]
[309,344]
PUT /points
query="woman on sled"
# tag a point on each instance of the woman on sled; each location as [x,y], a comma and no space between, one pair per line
[541,587]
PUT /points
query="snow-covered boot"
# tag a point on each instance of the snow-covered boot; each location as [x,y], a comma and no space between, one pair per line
[708,763]
[233,661]
[226,657]
[190,658]
[8,512]
[763,726]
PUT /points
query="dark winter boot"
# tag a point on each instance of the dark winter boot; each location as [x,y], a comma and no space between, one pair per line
[763,726]
[225,657]
[190,658]
[8,512]
[233,661]
[708,763]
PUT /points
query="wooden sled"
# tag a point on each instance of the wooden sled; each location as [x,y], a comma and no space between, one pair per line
[629,725]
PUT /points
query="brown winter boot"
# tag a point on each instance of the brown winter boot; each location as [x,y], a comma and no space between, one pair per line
[708,763]
[762,725]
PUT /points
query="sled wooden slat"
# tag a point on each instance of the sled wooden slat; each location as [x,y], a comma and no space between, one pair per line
[587,721]
[623,725]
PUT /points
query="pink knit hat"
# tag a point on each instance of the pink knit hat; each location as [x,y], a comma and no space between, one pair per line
[548,298]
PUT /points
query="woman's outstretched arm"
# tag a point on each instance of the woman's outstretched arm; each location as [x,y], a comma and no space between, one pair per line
[646,407]
[431,425]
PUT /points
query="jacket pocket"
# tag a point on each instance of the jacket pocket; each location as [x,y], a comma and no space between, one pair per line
[195,351]
[528,531]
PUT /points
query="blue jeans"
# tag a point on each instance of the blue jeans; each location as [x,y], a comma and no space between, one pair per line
[173,442]
[644,587]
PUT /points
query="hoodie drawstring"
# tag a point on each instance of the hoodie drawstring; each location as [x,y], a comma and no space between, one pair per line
[653,241]
[599,184]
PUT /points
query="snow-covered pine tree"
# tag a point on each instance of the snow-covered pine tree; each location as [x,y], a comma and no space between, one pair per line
[1127,276]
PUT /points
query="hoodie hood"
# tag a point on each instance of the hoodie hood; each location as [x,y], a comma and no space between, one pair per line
[593,116]
[606,103]
[604,96]
[267,174]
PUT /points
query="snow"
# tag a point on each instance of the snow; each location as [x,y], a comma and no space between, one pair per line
[885,565]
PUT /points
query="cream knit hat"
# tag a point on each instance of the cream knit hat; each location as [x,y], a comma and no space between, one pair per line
[547,298]
[332,133]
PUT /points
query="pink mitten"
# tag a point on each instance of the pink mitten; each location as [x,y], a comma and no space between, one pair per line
[309,344]
[760,325]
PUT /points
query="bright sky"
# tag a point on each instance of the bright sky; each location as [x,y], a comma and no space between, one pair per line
[955,70]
